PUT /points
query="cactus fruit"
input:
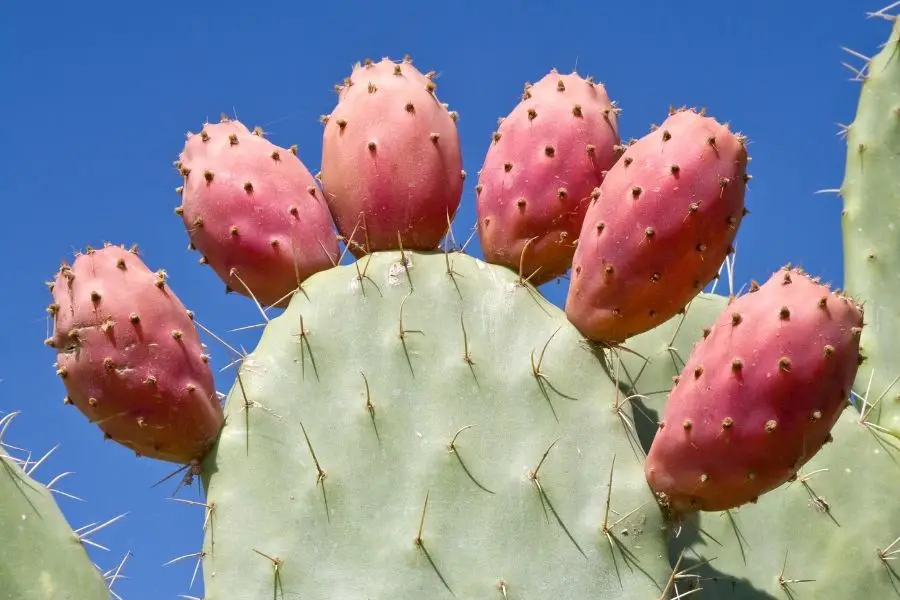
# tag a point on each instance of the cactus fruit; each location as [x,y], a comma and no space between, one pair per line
[391,159]
[412,382]
[130,357]
[545,160]
[758,396]
[665,218]
[871,194]
[254,212]
[43,559]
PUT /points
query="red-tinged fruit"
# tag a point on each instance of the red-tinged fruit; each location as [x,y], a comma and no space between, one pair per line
[758,396]
[254,212]
[660,226]
[391,160]
[130,357]
[545,159]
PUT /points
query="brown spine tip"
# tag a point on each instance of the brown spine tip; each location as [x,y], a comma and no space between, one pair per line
[828,350]
[233,231]
[771,425]
[576,110]
[674,169]
[134,318]
[687,424]
[312,190]
[649,232]
[561,193]
[698,372]
[294,211]
[550,151]
[532,114]
[371,146]
[816,415]
[784,364]
[590,149]
[203,260]
[627,160]
[706,332]
[276,156]
[600,227]
[636,191]
[204,136]
[293,149]
[507,167]
[520,203]
[727,423]
[233,139]
[248,187]
[784,313]
[478,188]
[666,135]
[95,297]
[736,318]
[120,264]
[341,123]
[736,365]
[179,210]
[434,137]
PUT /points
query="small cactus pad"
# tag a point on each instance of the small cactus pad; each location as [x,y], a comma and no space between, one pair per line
[871,195]
[423,425]
[42,558]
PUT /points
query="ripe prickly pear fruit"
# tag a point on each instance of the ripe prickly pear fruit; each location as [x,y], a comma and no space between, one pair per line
[254,212]
[130,357]
[391,160]
[662,222]
[545,159]
[758,396]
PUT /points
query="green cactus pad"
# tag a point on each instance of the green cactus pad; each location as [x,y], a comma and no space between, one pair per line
[43,558]
[832,533]
[341,425]
[871,228]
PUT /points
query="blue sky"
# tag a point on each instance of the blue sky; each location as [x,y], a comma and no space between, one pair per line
[97,98]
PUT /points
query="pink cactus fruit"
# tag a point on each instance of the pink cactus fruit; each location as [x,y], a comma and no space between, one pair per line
[758,396]
[662,222]
[130,357]
[545,159]
[254,212]
[391,160]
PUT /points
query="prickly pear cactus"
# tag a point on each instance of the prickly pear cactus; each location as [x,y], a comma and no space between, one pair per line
[43,558]
[422,424]
[427,426]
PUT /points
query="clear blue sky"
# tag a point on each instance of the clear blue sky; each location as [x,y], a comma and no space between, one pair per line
[97,96]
